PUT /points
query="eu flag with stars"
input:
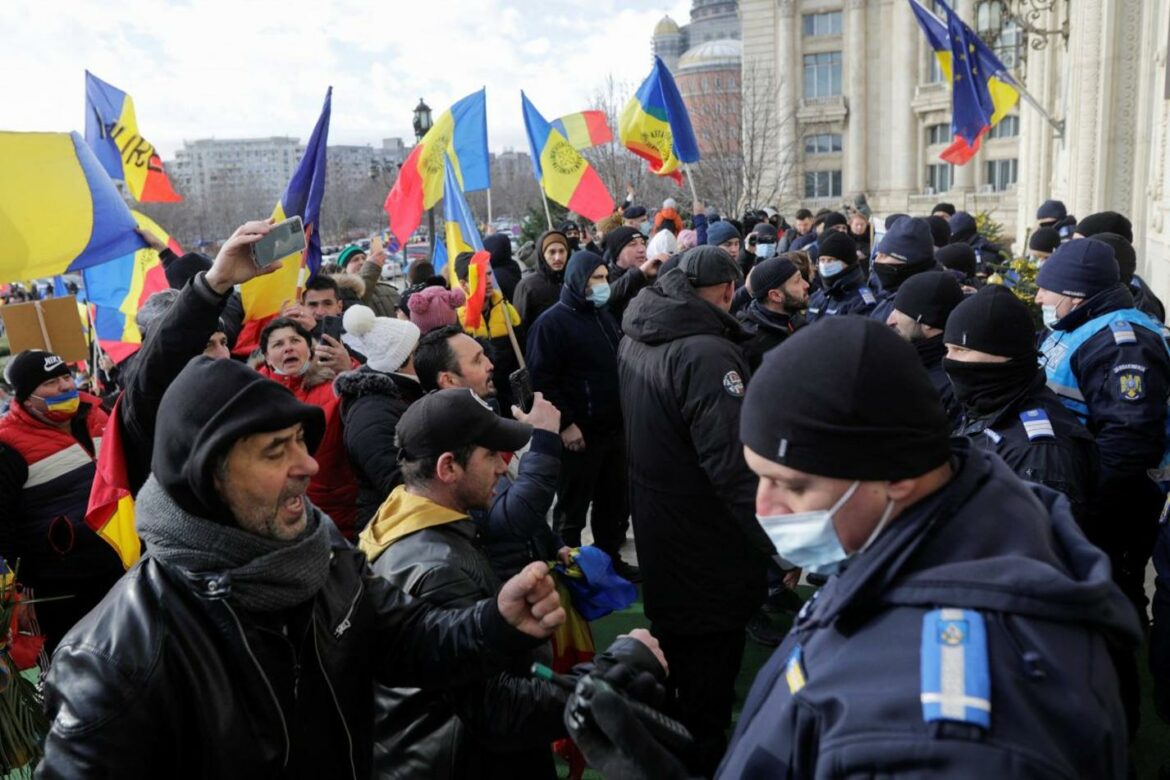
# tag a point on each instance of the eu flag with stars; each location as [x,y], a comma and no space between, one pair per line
[972,105]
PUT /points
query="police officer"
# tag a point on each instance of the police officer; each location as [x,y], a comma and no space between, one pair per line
[1007,407]
[920,313]
[702,555]
[778,296]
[905,250]
[969,626]
[1109,364]
[843,288]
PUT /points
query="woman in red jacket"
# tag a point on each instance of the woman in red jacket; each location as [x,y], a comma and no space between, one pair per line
[289,358]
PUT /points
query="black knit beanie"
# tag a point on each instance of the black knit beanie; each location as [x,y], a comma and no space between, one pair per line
[957,257]
[994,321]
[1123,253]
[929,298]
[875,415]
[839,246]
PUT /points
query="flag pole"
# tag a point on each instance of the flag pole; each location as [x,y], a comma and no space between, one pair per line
[690,181]
[489,199]
[547,213]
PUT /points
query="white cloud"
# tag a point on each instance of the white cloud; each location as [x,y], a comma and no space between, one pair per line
[240,68]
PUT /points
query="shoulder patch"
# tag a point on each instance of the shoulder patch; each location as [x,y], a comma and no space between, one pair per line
[794,670]
[1037,425]
[956,680]
[867,295]
[1122,332]
[733,383]
[1131,386]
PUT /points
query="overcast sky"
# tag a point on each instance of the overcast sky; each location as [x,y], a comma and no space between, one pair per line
[245,68]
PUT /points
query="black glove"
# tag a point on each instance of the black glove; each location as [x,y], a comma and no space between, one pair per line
[603,725]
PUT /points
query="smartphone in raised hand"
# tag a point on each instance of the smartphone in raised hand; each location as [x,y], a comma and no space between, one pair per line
[283,239]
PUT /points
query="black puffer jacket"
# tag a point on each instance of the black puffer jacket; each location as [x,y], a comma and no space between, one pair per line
[539,288]
[371,405]
[682,372]
[168,678]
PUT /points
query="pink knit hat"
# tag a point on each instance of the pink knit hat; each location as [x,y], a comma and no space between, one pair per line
[434,307]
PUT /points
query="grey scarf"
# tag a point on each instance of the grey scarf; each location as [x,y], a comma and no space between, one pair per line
[266,575]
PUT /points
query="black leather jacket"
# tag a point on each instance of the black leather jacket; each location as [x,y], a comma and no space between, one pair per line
[168,678]
[500,727]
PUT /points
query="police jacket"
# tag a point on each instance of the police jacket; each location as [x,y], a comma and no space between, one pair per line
[767,330]
[943,652]
[846,293]
[169,678]
[499,727]
[1109,364]
[1145,300]
[45,478]
[701,551]
[1041,441]
[931,352]
[180,334]
[372,402]
[572,354]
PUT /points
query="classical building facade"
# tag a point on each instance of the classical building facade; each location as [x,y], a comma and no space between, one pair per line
[711,20]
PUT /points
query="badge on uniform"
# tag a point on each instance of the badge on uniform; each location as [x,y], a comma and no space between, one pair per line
[867,296]
[1037,425]
[1122,332]
[1132,388]
[794,670]
[956,680]
[733,384]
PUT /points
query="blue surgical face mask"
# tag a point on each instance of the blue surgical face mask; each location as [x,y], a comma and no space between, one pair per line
[1050,316]
[764,251]
[809,540]
[599,294]
[830,268]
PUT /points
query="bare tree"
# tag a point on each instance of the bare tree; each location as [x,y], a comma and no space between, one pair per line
[769,162]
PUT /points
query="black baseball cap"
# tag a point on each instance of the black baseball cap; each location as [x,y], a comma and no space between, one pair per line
[445,420]
[708,265]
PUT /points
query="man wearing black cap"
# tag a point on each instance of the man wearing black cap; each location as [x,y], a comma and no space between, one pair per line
[702,555]
[425,542]
[959,261]
[1109,364]
[843,288]
[571,231]
[49,443]
[968,629]
[1053,214]
[1042,244]
[723,234]
[779,294]
[1143,297]
[965,230]
[248,596]
[634,217]
[1007,407]
[904,251]
[920,313]
[944,210]
[629,268]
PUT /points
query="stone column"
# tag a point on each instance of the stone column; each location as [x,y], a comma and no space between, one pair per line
[1085,132]
[904,140]
[788,74]
[856,160]
[1038,144]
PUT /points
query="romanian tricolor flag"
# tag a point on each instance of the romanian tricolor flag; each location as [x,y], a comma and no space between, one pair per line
[585,129]
[118,288]
[564,174]
[463,236]
[111,506]
[59,210]
[459,133]
[655,125]
[111,129]
[982,89]
[263,296]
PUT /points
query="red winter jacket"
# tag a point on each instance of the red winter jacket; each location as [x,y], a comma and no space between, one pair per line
[334,489]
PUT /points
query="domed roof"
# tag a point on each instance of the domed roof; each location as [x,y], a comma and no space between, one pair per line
[666,27]
[725,51]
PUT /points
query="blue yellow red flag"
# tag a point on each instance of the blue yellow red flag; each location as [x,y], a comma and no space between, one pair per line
[463,236]
[111,129]
[263,296]
[584,129]
[110,513]
[565,175]
[118,288]
[460,133]
[983,90]
[59,210]
[655,124]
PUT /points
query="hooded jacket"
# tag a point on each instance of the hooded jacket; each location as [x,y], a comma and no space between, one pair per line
[506,271]
[333,488]
[1056,630]
[539,288]
[572,354]
[700,549]
[372,403]
[499,728]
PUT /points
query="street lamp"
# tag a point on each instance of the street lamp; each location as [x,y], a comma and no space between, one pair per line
[423,123]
